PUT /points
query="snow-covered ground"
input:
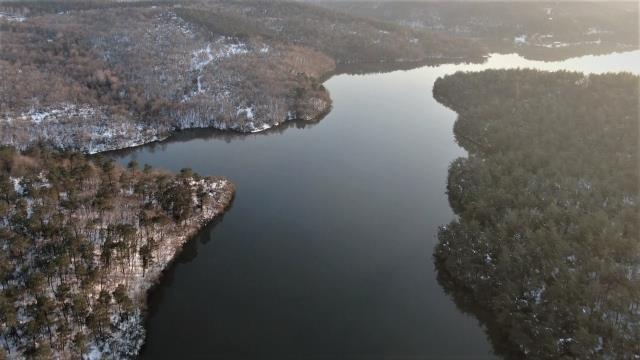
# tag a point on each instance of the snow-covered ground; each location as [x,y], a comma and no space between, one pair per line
[547,41]
[37,116]
[78,127]
[12,17]
[224,47]
[216,51]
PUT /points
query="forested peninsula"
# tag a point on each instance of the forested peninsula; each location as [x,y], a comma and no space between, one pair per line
[82,240]
[547,235]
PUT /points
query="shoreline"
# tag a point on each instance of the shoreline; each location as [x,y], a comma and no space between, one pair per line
[110,233]
[146,134]
[139,134]
[130,332]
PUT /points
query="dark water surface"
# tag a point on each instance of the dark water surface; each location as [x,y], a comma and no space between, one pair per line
[327,250]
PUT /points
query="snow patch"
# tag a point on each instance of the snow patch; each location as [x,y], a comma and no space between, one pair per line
[520,40]
[260,128]
[17,187]
[216,51]
[596,31]
[536,294]
[247,111]
[219,49]
[37,116]
[12,17]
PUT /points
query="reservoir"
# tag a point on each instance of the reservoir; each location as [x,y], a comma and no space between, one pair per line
[326,252]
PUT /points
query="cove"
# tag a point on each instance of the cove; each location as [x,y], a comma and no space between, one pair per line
[326,252]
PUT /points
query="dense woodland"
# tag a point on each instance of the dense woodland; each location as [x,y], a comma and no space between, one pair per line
[548,202]
[535,29]
[82,239]
[103,75]
[101,79]
[345,38]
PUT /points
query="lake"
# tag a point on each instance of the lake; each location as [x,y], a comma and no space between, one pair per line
[326,252]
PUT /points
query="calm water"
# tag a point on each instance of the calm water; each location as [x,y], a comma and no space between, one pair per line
[326,252]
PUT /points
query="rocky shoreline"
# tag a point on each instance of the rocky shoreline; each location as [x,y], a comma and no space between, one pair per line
[129,335]
[93,131]
[83,240]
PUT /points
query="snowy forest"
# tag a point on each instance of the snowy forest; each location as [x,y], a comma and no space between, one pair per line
[548,205]
[102,75]
[82,241]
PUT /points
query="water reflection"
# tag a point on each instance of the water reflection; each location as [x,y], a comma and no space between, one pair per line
[465,302]
[188,253]
[326,251]
[185,136]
